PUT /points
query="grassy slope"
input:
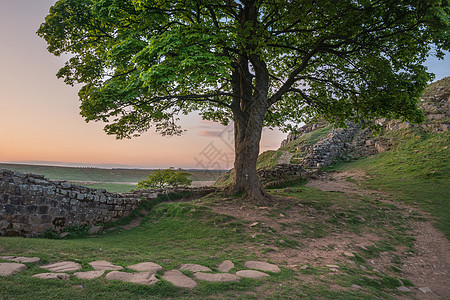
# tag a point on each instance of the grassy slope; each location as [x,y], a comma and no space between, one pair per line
[178,233]
[416,171]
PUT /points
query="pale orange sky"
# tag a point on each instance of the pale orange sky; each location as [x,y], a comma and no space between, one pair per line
[39,114]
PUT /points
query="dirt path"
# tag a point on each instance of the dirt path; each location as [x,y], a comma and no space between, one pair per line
[429,267]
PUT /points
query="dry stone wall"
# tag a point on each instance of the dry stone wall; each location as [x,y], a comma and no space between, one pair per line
[30,204]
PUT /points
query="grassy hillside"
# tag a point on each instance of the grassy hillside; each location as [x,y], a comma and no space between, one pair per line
[416,170]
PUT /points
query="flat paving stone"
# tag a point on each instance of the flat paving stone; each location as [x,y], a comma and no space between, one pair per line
[8,269]
[251,274]
[22,259]
[104,265]
[60,276]
[425,289]
[89,274]
[348,254]
[332,266]
[63,266]
[262,266]
[225,266]
[217,277]
[178,279]
[194,268]
[403,289]
[146,267]
[146,278]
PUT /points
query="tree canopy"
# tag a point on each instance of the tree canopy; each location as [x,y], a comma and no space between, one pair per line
[255,62]
[165,178]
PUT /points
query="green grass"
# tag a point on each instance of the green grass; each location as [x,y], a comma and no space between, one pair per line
[171,235]
[268,159]
[416,171]
[99,174]
[307,139]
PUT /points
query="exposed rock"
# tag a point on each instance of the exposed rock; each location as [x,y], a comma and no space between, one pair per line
[355,286]
[332,266]
[60,276]
[104,265]
[22,259]
[178,279]
[7,269]
[146,278]
[403,289]
[89,274]
[251,274]
[64,234]
[95,230]
[63,266]
[263,266]
[217,277]
[348,254]
[194,268]
[146,267]
[425,290]
[225,266]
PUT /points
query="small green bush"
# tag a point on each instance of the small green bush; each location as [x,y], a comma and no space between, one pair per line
[165,178]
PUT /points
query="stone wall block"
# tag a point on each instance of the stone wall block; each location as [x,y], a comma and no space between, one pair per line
[45,219]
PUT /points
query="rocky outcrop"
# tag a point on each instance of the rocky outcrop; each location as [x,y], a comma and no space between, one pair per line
[354,142]
[435,104]
[30,204]
[329,148]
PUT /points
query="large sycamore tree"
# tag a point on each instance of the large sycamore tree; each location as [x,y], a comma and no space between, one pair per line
[254,62]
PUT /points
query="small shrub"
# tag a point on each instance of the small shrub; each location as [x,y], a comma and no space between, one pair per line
[165,178]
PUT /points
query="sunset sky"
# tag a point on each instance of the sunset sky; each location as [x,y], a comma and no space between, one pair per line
[40,121]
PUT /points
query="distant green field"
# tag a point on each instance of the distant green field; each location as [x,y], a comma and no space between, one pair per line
[99,174]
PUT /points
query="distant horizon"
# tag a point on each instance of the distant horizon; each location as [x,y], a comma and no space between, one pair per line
[100,166]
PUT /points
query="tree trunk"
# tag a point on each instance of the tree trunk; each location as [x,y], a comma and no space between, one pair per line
[247,133]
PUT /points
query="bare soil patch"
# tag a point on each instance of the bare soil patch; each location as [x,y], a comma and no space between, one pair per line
[428,266]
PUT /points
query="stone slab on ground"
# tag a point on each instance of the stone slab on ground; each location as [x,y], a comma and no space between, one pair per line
[104,265]
[60,276]
[225,266]
[95,230]
[146,278]
[403,289]
[194,268]
[251,274]
[332,266]
[178,279]
[89,274]
[8,269]
[146,267]
[22,259]
[425,289]
[262,266]
[217,277]
[63,266]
